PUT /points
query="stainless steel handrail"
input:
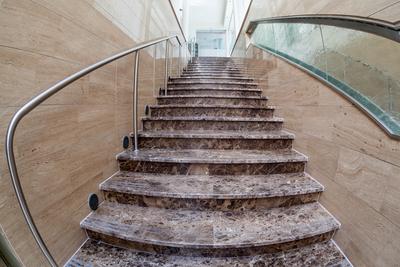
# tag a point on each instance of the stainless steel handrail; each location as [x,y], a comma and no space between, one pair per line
[241,27]
[375,26]
[37,100]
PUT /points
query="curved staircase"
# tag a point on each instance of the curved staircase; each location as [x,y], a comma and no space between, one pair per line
[215,183]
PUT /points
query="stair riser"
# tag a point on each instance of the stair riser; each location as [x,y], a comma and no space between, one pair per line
[169,125]
[216,85]
[213,101]
[209,252]
[214,92]
[212,69]
[203,143]
[206,75]
[209,204]
[218,73]
[216,112]
[211,169]
[216,66]
[197,79]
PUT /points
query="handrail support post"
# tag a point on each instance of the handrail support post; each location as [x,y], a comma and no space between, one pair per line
[136,101]
[166,66]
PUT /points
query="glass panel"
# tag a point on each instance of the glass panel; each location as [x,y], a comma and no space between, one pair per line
[364,66]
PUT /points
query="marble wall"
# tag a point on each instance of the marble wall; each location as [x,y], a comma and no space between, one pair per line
[349,154]
[67,146]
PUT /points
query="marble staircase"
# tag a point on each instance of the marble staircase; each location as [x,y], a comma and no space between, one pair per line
[216,182]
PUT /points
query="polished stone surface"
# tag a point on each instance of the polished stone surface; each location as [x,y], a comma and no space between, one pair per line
[210,229]
[271,140]
[210,110]
[215,91]
[98,254]
[253,101]
[215,183]
[212,162]
[216,187]
[220,134]
[212,156]
[202,192]
[206,77]
[212,123]
[204,142]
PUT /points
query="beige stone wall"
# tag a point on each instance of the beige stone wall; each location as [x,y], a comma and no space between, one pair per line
[349,154]
[67,146]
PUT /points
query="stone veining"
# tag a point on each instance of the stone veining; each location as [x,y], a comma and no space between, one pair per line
[215,183]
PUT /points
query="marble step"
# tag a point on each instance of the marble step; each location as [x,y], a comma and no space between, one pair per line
[203,192]
[212,69]
[216,72]
[219,66]
[198,84]
[208,72]
[210,110]
[212,162]
[100,254]
[212,123]
[207,78]
[272,140]
[211,75]
[251,101]
[213,233]
[211,90]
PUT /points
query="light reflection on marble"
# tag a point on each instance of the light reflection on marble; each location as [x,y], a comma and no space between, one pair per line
[98,254]
[213,156]
[192,229]
[201,192]
[213,100]
[212,123]
[191,140]
[210,110]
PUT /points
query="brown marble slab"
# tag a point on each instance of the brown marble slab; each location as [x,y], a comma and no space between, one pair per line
[213,156]
[215,91]
[98,254]
[202,192]
[210,110]
[206,77]
[213,100]
[212,123]
[210,229]
[272,140]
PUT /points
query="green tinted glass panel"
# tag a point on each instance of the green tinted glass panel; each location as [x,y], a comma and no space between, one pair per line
[363,66]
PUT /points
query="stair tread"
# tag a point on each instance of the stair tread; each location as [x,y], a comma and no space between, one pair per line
[212,187]
[211,106]
[96,253]
[213,156]
[218,134]
[213,118]
[211,81]
[211,77]
[213,96]
[210,229]
[216,89]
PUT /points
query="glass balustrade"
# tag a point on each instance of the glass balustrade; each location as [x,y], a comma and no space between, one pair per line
[364,67]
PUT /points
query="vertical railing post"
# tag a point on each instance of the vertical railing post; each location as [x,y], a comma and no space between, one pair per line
[166,65]
[179,60]
[136,101]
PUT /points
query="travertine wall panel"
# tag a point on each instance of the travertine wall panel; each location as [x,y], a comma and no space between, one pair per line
[349,154]
[67,146]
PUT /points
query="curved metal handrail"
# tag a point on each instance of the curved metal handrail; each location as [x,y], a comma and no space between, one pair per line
[375,26]
[36,101]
